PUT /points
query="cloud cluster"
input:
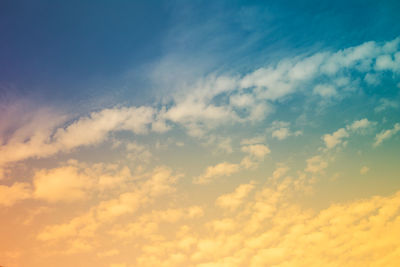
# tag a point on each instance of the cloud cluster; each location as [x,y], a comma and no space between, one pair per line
[73,181]
[271,230]
[380,137]
[9,195]
[206,105]
[339,136]
[155,184]
[45,137]
[256,153]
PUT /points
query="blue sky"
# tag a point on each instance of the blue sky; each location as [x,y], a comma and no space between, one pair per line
[68,50]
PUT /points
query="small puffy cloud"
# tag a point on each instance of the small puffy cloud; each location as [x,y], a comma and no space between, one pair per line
[252,141]
[96,127]
[380,137]
[364,170]
[82,226]
[386,104]
[281,130]
[9,195]
[126,203]
[332,140]
[325,90]
[360,124]
[385,62]
[256,150]
[212,172]
[64,184]
[339,136]
[279,172]
[281,133]
[233,200]
[242,100]
[372,79]
[138,152]
[316,164]
[225,145]
[256,153]
[197,115]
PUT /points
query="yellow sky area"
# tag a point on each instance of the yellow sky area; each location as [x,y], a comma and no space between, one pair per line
[142,222]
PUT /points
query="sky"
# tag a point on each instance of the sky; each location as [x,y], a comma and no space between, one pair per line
[199,133]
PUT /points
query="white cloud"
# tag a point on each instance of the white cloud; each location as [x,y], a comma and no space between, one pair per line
[281,130]
[332,140]
[280,171]
[339,136]
[44,136]
[372,79]
[325,90]
[212,172]
[386,104]
[360,124]
[380,137]
[281,133]
[256,153]
[385,62]
[256,150]
[316,164]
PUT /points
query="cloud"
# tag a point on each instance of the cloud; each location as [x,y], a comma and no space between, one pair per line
[44,137]
[233,200]
[256,150]
[280,171]
[281,133]
[360,124]
[339,136]
[9,195]
[281,130]
[225,145]
[270,228]
[66,184]
[386,104]
[155,184]
[203,106]
[95,128]
[388,62]
[256,153]
[212,172]
[148,224]
[325,90]
[217,100]
[72,181]
[316,164]
[138,152]
[380,137]
[332,140]
[364,170]
[372,79]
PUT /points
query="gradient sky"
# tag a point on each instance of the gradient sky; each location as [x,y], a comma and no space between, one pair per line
[199,133]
